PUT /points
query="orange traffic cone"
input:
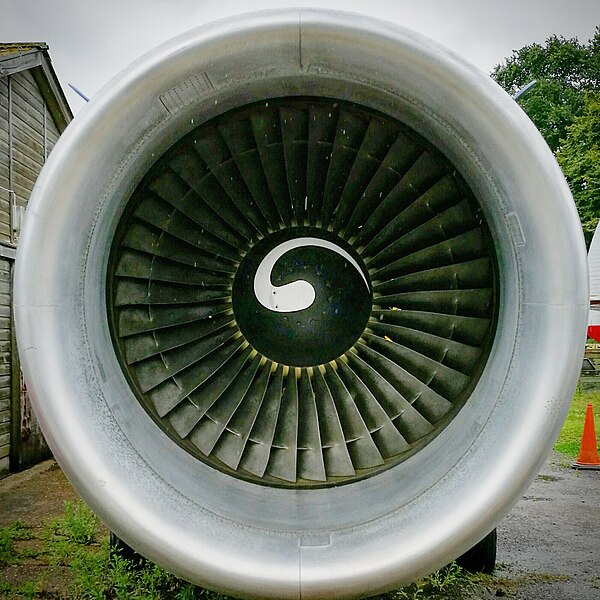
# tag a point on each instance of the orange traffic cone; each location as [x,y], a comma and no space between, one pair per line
[588,454]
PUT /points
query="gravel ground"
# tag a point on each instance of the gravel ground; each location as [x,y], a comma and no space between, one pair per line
[548,547]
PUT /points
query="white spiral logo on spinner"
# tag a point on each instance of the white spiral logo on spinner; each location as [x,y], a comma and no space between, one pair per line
[300,294]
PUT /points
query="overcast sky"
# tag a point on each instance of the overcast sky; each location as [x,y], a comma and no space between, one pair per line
[91,41]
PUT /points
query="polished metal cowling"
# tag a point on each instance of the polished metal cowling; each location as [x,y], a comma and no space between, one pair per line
[281,297]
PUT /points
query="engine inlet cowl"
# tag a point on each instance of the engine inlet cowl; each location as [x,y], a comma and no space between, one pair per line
[280,297]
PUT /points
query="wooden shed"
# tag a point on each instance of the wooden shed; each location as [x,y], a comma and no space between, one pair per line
[33,114]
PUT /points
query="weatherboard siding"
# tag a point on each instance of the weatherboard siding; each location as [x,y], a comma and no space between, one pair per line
[28,134]
[52,133]
[5,365]
[4,167]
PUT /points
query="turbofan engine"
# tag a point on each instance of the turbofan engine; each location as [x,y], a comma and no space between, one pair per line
[301,301]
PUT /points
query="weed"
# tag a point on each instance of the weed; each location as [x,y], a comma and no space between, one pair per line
[5,589]
[188,592]
[412,592]
[547,478]
[510,586]
[87,569]
[8,536]
[546,578]
[72,548]
[79,523]
[97,574]
[202,594]
[59,551]
[450,582]
[29,589]
[447,579]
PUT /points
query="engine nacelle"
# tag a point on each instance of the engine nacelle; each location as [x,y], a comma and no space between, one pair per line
[301,301]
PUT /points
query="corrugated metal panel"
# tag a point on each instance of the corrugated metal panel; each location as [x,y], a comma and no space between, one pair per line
[33,58]
[27,154]
[21,441]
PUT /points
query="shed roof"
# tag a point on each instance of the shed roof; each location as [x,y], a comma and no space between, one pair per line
[20,47]
[34,56]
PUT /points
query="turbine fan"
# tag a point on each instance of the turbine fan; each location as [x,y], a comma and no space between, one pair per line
[364,376]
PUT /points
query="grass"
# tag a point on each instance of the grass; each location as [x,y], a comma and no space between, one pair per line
[8,537]
[450,582]
[70,558]
[569,440]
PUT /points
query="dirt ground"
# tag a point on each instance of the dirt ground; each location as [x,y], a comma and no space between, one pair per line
[548,547]
[34,495]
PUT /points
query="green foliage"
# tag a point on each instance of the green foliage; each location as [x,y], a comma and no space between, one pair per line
[414,591]
[100,576]
[79,523]
[446,579]
[74,550]
[564,106]
[8,536]
[564,69]
[449,582]
[29,589]
[579,158]
[90,570]
[88,573]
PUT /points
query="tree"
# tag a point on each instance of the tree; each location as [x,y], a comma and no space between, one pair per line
[564,70]
[579,158]
[565,107]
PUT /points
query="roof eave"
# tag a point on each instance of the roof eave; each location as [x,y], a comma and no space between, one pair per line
[38,60]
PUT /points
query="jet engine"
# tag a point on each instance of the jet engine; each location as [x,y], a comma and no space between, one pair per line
[301,300]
